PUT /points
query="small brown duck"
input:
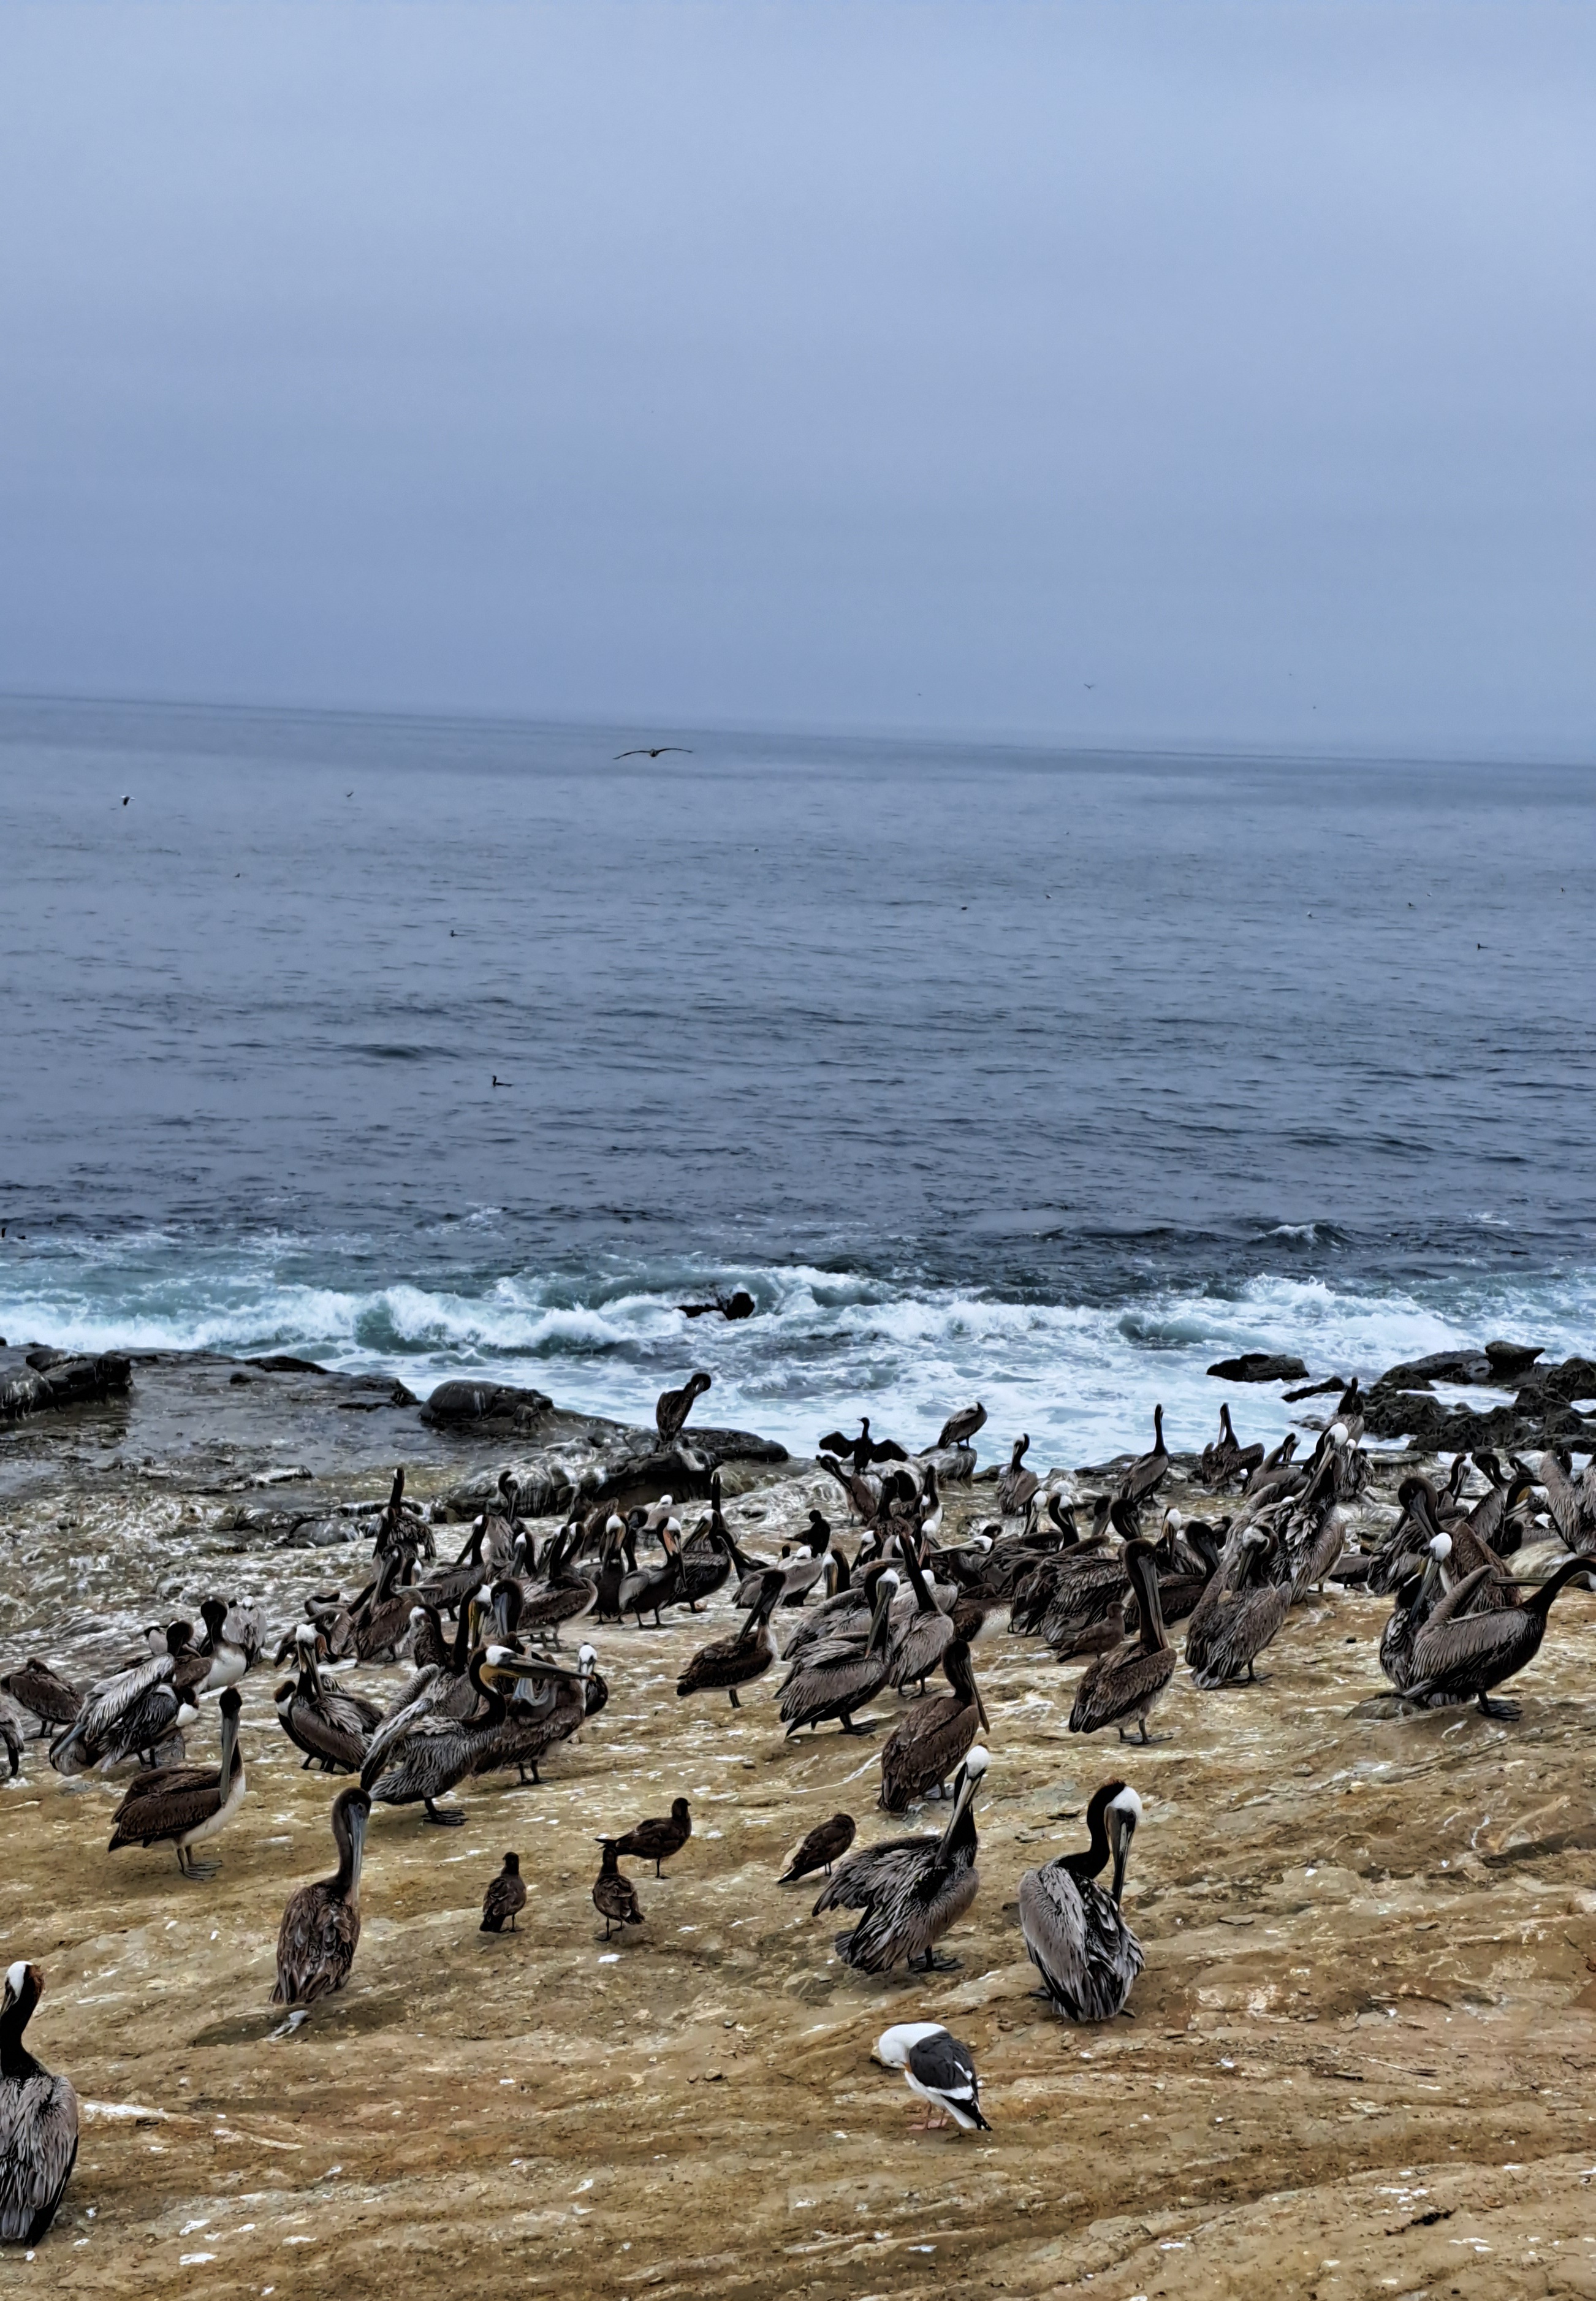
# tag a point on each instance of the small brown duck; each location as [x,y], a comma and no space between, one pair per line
[615,1896]
[505,1894]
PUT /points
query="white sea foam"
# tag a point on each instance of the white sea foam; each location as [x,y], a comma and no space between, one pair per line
[1080,1378]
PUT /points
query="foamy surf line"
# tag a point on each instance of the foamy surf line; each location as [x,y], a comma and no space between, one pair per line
[1081,1379]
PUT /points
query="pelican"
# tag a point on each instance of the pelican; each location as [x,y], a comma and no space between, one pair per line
[1463,1655]
[1075,1937]
[961,1427]
[1018,1488]
[422,1754]
[1126,1682]
[1238,1614]
[936,2067]
[727,1663]
[332,1728]
[38,2119]
[927,1745]
[925,1636]
[182,1804]
[672,1407]
[36,1686]
[136,1710]
[1148,1469]
[321,1926]
[911,1889]
[229,1657]
[546,1705]
[841,1674]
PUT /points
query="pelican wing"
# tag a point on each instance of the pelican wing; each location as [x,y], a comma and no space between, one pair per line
[165,1803]
[1118,1684]
[1087,1955]
[864,1878]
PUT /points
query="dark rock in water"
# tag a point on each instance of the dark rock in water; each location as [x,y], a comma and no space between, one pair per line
[53,1379]
[486,1405]
[1260,1365]
[1441,1366]
[281,1365]
[1508,1360]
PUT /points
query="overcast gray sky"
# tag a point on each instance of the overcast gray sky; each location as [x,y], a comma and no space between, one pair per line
[1171,371]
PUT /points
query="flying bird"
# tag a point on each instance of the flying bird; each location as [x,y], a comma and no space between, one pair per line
[655,751]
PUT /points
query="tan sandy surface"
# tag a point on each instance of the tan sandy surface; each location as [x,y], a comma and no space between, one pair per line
[1359,2062]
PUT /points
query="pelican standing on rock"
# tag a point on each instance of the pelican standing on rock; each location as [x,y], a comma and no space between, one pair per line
[182,1804]
[928,1746]
[38,2119]
[672,1407]
[911,1889]
[321,1926]
[1126,1682]
[840,1675]
[1075,1937]
[1461,1655]
[726,1663]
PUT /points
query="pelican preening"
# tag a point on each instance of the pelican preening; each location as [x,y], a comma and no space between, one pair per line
[672,1407]
[1075,1935]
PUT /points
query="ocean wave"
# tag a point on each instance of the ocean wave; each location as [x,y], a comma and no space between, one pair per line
[825,1346]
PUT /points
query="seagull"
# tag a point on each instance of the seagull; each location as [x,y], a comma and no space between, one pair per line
[655,751]
[937,2068]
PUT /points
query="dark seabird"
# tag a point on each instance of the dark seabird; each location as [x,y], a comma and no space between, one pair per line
[826,1842]
[841,1674]
[961,1427]
[672,1407]
[136,1710]
[331,1726]
[182,1804]
[1124,1684]
[321,1926]
[655,751]
[38,2119]
[38,1688]
[656,1839]
[928,1746]
[937,2068]
[1148,1469]
[505,1896]
[1075,1937]
[1018,1488]
[863,1450]
[422,1753]
[615,1896]
[1238,1615]
[727,1663]
[910,1889]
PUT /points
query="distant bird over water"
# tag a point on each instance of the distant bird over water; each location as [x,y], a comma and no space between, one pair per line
[655,751]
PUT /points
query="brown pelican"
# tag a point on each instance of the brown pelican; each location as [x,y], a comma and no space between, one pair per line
[801,1572]
[1017,1487]
[841,1674]
[658,1839]
[38,2119]
[939,2069]
[567,1596]
[1075,1937]
[1129,1680]
[648,1588]
[383,1623]
[1226,1460]
[930,1743]
[727,1663]
[1238,1614]
[546,1705]
[11,1735]
[672,1407]
[504,1898]
[421,1754]
[910,1889]
[321,1926]
[826,1842]
[182,1804]
[1146,1470]
[136,1710]
[1463,1655]
[1565,1501]
[450,1589]
[1419,1586]
[615,1896]
[961,1427]
[919,1643]
[229,1657]
[331,1726]
[53,1699]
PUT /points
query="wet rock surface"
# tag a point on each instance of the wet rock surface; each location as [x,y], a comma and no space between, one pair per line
[1360,2060]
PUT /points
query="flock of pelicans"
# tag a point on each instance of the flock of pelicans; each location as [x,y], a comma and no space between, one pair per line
[492,1689]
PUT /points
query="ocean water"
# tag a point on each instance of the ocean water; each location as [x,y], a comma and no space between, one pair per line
[992,1072]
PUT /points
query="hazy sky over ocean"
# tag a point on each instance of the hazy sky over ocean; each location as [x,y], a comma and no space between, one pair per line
[1123,371]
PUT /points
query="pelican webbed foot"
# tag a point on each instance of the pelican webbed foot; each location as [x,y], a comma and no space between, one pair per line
[450,1818]
[1507,1711]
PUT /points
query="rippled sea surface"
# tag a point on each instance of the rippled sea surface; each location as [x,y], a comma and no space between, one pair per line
[990,1071]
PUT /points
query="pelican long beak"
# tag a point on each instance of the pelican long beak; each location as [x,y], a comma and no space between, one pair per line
[968,1785]
[1124,1830]
[229,1743]
[980,1713]
[357,1840]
